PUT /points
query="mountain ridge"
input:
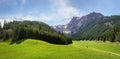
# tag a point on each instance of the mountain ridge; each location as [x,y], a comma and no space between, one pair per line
[93,26]
[76,22]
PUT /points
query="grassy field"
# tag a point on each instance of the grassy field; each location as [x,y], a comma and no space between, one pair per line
[35,49]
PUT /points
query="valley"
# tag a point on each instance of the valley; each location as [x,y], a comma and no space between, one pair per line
[36,49]
[59,29]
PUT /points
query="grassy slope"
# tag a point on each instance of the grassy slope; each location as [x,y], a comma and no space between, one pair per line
[34,49]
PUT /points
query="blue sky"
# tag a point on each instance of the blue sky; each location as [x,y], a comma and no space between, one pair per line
[54,12]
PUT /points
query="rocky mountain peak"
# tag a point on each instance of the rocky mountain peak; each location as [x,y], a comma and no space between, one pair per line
[76,22]
[95,14]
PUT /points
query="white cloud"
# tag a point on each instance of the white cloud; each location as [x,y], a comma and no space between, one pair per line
[6,19]
[68,12]
[47,17]
[1,22]
[65,10]
[62,13]
[29,17]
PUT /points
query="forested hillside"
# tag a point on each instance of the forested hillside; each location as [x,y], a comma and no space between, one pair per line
[104,28]
[20,30]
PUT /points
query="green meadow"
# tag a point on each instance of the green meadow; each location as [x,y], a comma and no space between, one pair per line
[36,49]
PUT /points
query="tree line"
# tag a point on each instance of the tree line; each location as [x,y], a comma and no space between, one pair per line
[103,29]
[21,30]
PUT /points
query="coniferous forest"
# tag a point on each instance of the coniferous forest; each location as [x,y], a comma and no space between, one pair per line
[17,31]
[102,29]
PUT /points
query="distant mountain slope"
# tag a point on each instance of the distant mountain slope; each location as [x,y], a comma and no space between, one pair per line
[93,26]
[97,28]
[18,30]
[73,26]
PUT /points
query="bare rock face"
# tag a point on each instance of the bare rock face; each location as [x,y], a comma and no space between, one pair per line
[73,26]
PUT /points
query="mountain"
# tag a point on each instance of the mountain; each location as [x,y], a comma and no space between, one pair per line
[20,30]
[98,28]
[93,26]
[73,26]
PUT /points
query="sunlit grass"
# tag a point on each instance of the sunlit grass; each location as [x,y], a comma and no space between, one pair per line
[35,49]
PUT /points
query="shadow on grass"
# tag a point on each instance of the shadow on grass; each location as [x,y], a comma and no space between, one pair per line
[17,41]
[51,42]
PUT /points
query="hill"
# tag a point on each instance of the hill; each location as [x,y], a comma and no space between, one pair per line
[20,30]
